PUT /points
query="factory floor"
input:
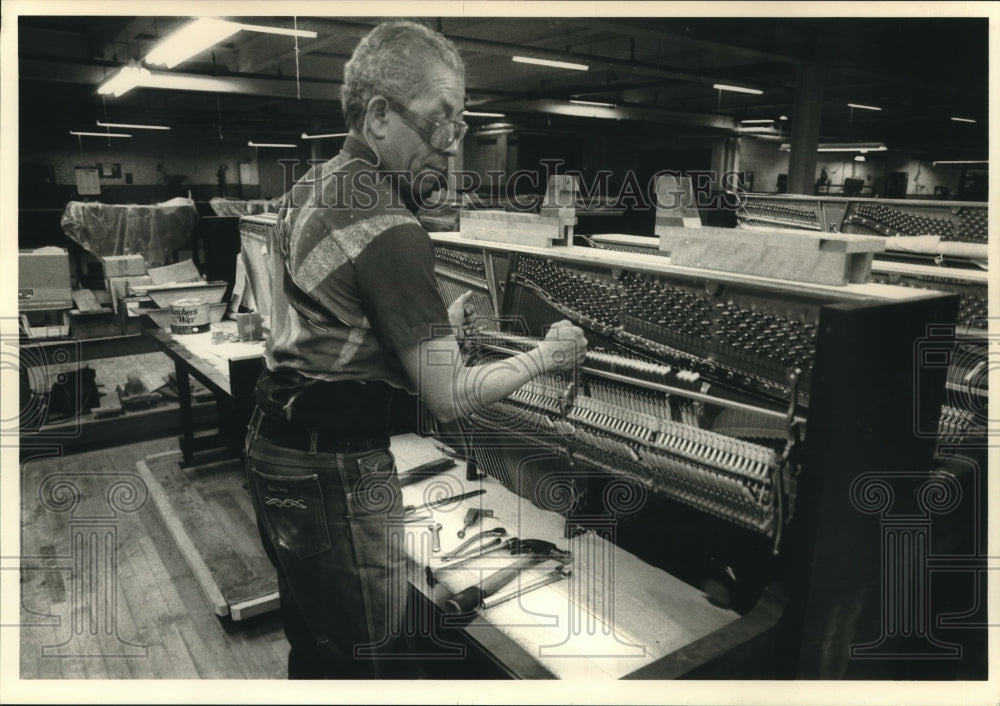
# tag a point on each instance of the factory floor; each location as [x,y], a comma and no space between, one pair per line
[128,607]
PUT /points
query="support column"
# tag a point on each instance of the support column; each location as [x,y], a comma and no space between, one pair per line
[315,153]
[805,129]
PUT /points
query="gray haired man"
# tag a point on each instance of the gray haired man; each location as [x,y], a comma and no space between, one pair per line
[357,321]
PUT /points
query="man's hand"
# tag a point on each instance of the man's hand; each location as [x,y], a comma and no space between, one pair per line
[563,348]
[462,315]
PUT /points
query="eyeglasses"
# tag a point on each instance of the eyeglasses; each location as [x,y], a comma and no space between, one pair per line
[439,134]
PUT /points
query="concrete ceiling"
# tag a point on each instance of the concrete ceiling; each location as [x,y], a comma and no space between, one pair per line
[658,71]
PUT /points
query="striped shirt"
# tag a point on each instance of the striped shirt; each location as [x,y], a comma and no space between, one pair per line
[353,282]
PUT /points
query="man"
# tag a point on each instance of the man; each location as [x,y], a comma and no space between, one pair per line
[357,317]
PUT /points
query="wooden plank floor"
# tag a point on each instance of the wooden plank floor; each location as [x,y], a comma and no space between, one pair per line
[210,505]
[157,603]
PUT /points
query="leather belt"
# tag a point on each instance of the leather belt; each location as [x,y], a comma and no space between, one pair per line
[300,437]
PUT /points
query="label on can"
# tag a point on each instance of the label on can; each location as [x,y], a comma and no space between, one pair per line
[189,316]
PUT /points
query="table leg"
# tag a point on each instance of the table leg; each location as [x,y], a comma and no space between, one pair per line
[187,419]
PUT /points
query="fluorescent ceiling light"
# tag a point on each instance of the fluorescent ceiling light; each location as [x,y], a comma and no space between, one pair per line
[99,134]
[758,128]
[477,114]
[963,120]
[320,137]
[843,147]
[493,131]
[960,161]
[134,126]
[863,107]
[195,37]
[859,158]
[124,81]
[553,64]
[594,103]
[762,121]
[134,75]
[186,83]
[737,89]
[270,144]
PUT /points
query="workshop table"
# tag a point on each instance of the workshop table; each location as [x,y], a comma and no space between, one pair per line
[614,617]
[229,369]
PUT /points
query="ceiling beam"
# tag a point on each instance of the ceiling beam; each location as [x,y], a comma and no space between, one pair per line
[250,63]
[121,43]
[676,29]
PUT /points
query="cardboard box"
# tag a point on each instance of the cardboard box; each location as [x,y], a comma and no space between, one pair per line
[124,266]
[45,323]
[43,279]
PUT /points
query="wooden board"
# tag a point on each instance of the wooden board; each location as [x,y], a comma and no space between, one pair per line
[85,300]
[554,226]
[825,258]
[658,264]
[675,203]
[210,516]
[418,458]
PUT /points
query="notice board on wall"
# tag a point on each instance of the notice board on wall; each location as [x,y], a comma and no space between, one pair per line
[88,181]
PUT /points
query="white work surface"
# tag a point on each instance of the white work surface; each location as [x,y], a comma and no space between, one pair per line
[614,615]
[213,358]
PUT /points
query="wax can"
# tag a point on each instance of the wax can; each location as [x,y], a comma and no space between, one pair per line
[189,316]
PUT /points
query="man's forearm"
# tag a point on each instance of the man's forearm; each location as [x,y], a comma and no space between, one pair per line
[452,390]
[482,385]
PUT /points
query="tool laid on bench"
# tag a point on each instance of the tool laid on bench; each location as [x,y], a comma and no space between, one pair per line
[472,516]
[408,509]
[497,544]
[435,528]
[533,552]
[457,552]
[559,573]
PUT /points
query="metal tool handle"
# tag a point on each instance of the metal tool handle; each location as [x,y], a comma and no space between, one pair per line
[497,543]
[471,598]
[553,576]
[435,536]
[457,551]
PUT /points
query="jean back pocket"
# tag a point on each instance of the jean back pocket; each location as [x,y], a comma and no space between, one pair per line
[291,508]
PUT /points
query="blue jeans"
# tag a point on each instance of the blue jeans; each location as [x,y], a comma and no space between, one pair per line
[332,525]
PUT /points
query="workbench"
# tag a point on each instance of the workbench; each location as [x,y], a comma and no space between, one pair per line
[229,369]
[614,617]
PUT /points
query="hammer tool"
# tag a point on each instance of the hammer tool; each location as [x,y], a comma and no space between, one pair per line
[535,552]
[493,546]
[557,574]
